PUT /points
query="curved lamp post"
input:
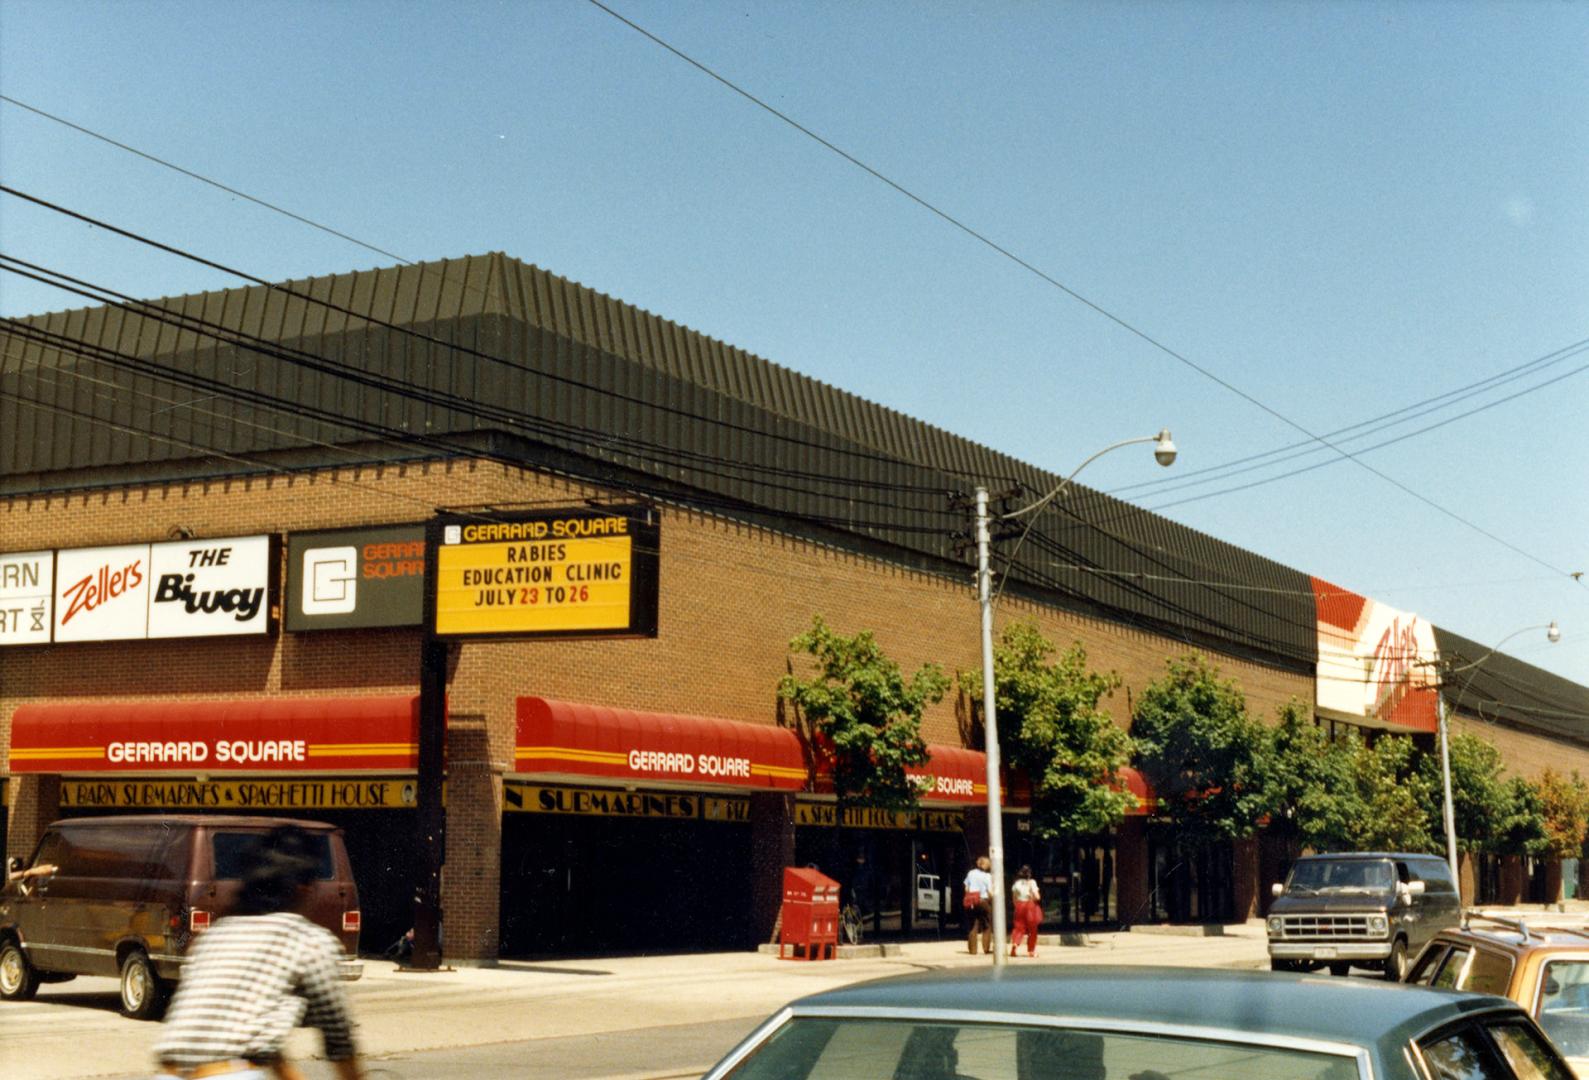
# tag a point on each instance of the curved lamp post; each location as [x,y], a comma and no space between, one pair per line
[1553,635]
[1164,453]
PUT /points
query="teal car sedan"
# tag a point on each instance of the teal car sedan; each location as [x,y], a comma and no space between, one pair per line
[1113,1023]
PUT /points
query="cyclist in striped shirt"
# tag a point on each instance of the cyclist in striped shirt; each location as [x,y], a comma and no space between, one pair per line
[255,975]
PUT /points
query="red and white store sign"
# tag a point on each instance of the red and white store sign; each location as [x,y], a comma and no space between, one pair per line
[272,735]
[26,589]
[951,775]
[1377,665]
[186,588]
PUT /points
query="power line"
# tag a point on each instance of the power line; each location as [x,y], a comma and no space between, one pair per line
[409,331]
[512,418]
[1049,279]
[1365,428]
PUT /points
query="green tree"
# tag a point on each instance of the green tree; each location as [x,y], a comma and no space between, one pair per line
[857,708]
[1202,754]
[1051,727]
[1312,784]
[1392,794]
[1564,802]
[1479,799]
[1523,829]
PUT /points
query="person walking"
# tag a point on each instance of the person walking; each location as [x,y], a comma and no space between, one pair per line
[255,975]
[1028,910]
[979,906]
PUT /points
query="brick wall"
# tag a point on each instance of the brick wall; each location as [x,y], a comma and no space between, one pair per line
[731,597]
[1524,753]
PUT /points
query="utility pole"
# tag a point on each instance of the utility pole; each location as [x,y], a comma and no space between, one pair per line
[990,724]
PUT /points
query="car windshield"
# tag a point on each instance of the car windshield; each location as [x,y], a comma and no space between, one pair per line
[1564,1006]
[868,1049]
[1342,876]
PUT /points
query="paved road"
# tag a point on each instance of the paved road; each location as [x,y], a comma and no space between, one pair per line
[610,1017]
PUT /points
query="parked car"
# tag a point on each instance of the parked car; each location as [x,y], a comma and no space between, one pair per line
[1093,1023]
[128,894]
[1363,909]
[1539,960]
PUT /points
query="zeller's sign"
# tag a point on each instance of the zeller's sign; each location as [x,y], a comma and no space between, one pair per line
[188,588]
[563,573]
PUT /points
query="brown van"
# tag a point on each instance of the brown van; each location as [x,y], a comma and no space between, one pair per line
[128,894]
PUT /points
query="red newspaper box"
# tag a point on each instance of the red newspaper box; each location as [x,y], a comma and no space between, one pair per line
[809,919]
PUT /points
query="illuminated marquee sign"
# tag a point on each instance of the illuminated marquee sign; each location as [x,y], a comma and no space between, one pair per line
[562,573]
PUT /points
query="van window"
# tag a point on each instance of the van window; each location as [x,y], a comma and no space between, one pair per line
[110,851]
[1341,876]
[232,848]
[1435,875]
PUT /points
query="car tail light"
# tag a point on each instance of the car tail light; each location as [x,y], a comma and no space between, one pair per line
[198,920]
[350,921]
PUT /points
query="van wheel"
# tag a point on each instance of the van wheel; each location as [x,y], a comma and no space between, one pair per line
[143,994]
[1396,962]
[18,980]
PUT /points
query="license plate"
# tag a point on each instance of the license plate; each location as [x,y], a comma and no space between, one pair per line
[1324,952]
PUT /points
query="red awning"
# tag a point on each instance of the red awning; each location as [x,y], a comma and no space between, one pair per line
[1133,781]
[952,775]
[269,735]
[565,738]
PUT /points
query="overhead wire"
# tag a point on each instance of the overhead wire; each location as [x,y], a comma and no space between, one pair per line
[1074,294]
[512,418]
[466,350]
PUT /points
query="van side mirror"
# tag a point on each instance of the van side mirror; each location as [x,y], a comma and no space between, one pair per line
[1415,888]
[13,864]
[1277,888]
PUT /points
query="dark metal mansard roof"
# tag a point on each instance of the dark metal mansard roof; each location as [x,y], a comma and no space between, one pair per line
[488,354]
[1497,687]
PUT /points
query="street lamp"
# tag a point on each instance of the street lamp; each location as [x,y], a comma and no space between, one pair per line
[1553,635]
[1164,454]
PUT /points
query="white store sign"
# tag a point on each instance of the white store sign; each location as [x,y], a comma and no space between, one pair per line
[186,588]
[26,592]
[208,588]
[102,594]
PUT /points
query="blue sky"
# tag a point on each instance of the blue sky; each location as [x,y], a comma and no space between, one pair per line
[1339,209]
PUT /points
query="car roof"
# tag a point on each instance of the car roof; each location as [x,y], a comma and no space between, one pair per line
[1354,1012]
[1403,855]
[1540,936]
[224,821]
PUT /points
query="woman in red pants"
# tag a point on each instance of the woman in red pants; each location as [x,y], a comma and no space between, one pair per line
[1028,911]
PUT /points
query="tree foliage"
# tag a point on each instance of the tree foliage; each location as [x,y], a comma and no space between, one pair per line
[1392,794]
[1523,830]
[1201,752]
[860,710]
[1051,726]
[1480,802]
[1312,783]
[1564,806]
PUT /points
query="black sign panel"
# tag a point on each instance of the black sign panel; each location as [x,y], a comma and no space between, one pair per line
[347,579]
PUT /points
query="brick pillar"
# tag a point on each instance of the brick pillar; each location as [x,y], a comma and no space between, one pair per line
[1131,870]
[1244,878]
[772,847]
[35,802]
[1511,880]
[1468,871]
[472,878]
